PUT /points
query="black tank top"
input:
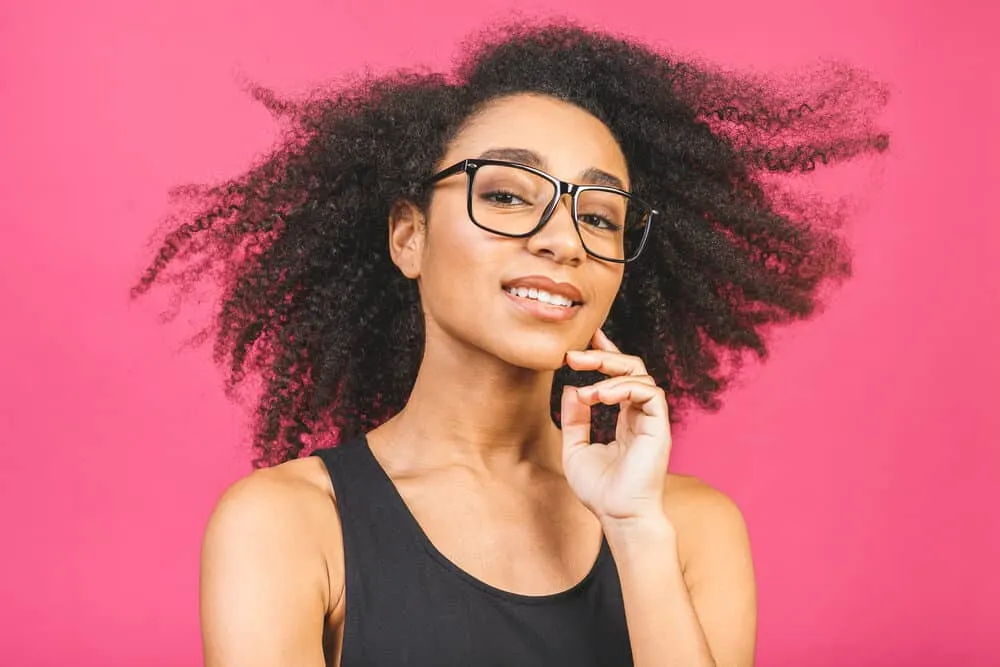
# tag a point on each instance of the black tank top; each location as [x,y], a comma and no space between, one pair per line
[408,605]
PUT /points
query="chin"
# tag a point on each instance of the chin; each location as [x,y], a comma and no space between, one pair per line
[537,356]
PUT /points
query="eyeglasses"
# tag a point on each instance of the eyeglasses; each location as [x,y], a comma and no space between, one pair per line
[516,201]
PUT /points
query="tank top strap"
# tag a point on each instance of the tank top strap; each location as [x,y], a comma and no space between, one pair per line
[375,523]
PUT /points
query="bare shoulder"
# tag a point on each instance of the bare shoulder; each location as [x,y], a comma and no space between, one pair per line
[270,571]
[687,495]
[301,485]
[289,501]
[706,520]
[289,509]
[714,549]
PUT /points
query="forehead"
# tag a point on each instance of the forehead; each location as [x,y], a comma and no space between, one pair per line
[568,139]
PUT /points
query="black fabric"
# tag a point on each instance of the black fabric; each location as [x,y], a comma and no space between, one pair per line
[407,605]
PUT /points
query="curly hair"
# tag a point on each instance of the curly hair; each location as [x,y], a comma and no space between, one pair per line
[313,307]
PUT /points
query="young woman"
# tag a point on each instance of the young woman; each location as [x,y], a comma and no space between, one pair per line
[435,279]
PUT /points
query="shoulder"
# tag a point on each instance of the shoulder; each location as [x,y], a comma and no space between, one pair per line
[269,571]
[284,499]
[689,497]
[714,549]
[285,518]
[707,521]
[302,483]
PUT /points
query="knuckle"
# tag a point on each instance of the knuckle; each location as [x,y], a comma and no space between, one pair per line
[637,365]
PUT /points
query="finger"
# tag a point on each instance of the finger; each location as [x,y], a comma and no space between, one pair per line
[649,399]
[614,382]
[575,419]
[600,341]
[609,363]
[650,414]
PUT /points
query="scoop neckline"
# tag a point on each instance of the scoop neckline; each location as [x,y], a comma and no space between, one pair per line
[450,566]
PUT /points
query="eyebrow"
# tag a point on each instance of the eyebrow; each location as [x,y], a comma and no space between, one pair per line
[592,176]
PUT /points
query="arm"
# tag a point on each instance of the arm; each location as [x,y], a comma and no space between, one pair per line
[265,586]
[681,548]
[701,614]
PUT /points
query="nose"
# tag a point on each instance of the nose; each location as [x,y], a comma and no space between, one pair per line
[558,238]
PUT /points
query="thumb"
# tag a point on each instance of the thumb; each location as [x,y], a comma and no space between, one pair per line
[575,418]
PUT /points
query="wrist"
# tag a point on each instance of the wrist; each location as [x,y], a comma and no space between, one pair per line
[645,550]
[652,531]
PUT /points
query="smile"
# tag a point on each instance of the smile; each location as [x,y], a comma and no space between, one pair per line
[541,305]
[541,296]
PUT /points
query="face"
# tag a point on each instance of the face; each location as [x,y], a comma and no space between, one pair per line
[476,286]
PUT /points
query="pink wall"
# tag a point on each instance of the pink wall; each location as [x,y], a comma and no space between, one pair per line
[865,455]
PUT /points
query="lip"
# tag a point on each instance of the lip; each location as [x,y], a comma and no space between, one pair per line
[566,290]
[542,311]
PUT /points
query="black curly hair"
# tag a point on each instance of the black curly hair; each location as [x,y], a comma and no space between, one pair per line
[315,309]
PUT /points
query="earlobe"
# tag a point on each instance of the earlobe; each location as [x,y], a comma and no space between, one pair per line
[406,236]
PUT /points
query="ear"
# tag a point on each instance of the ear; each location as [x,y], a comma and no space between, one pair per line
[407,227]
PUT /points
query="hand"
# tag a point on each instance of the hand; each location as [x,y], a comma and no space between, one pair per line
[622,480]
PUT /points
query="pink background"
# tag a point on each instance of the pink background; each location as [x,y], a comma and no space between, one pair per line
[865,454]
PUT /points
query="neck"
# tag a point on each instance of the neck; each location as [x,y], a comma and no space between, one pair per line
[473,409]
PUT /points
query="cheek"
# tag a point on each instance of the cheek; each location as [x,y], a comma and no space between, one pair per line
[610,285]
[452,240]
[459,261]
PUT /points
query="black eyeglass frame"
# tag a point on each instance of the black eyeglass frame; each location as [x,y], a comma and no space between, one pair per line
[470,166]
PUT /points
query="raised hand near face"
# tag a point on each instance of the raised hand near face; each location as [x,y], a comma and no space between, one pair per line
[622,480]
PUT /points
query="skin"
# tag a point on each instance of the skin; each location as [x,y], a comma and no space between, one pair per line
[496,486]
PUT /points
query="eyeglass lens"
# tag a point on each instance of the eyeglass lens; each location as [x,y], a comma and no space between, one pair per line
[510,200]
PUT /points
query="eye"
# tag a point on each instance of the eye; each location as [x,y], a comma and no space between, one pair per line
[599,222]
[503,198]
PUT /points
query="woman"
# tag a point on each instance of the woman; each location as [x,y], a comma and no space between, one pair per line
[428,276]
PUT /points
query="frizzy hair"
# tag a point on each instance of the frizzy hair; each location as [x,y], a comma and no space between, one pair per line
[314,308]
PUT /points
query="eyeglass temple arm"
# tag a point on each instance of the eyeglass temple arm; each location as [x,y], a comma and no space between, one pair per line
[450,171]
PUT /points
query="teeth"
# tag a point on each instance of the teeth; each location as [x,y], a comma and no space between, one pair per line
[540,295]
